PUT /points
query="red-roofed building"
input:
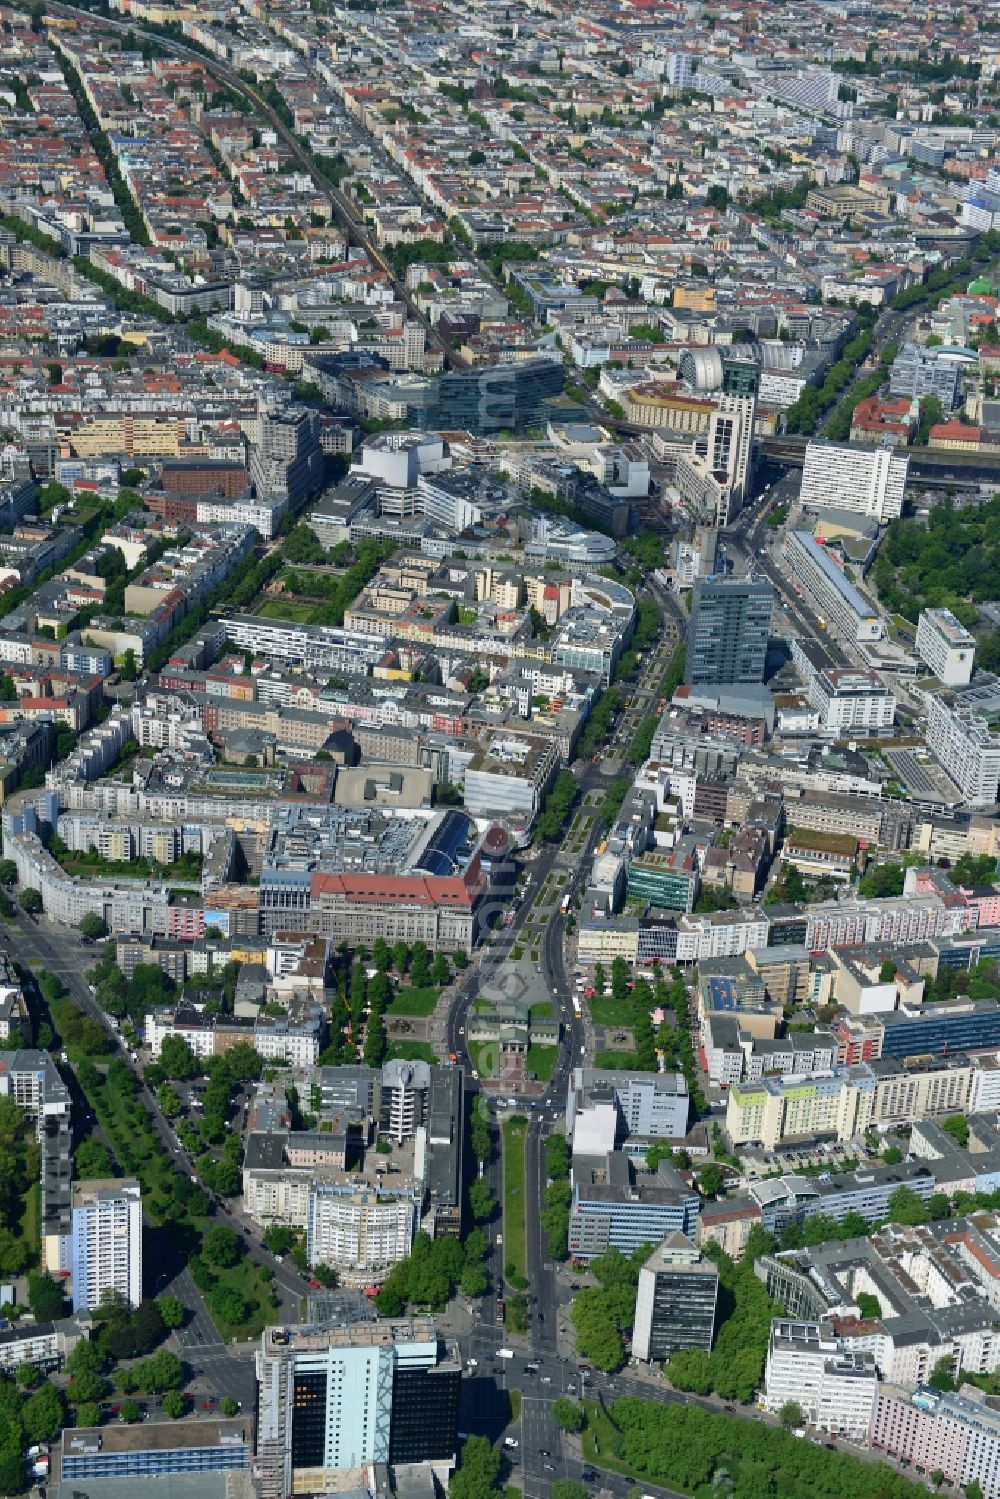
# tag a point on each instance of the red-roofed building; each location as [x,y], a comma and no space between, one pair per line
[437,910]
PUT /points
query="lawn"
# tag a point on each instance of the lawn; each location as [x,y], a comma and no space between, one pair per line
[411,1051]
[414,1002]
[544,1010]
[279,608]
[480,1054]
[542,1061]
[514,1397]
[607,1011]
[615,1061]
[598,1442]
[514,1130]
[246,1279]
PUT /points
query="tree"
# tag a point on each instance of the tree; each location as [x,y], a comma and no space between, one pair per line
[957,1126]
[88,1414]
[177,1060]
[229,1306]
[905,1207]
[473,1280]
[86,1387]
[482,1202]
[45,1297]
[92,925]
[91,1160]
[892,1155]
[710,1180]
[690,1369]
[30,901]
[172,1311]
[174,1404]
[440,970]
[222,1247]
[130,1412]
[29,1376]
[565,1488]
[568,1414]
[228,1406]
[8,872]
[278,1239]
[477,1474]
[44,1414]
[791,1415]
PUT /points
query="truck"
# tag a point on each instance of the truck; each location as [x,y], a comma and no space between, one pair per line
[501,1308]
[505,1353]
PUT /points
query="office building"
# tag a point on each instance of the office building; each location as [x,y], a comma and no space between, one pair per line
[730,626]
[834,1386]
[945,646]
[714,476]
[849,698]
[104,1251]
[205,1455]
[960,738]
[286,464]
[869,480]
[489,399]
[615,1207]
[675,1301]
[915,1030]
[918,371]
[645,1103]
[838,600]
[334,1399]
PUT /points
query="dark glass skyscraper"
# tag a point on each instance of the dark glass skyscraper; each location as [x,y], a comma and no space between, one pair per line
[730,625]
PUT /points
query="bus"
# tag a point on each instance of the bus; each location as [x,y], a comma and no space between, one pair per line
[564,908]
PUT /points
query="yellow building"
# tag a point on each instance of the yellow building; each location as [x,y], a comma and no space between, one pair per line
[139,436]
[695,298]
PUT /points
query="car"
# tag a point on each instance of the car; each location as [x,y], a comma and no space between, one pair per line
[510,1441]
[472,1363]
[315,1285]
[549,1467]
[544,1452]
[546,1379]
[571,1389]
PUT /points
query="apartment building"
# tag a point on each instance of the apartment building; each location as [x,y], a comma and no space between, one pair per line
[845,1101]
[960,738]
[869,480]
[846,699]
[103,1251]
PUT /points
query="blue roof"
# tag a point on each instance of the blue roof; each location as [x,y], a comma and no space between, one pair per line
[723,993]
[449,848]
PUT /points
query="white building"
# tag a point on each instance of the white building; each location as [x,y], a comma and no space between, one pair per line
[844,605]
[871,480]
[363,1230]
[835,1388]
[964,746]
[103,1251]
[946,646]
[399,458]
[713,477]
[851,699]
